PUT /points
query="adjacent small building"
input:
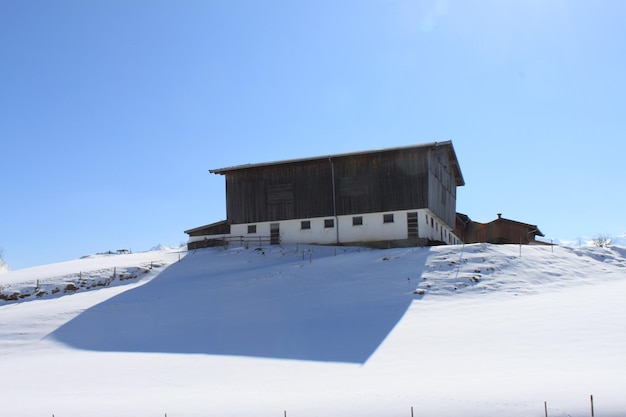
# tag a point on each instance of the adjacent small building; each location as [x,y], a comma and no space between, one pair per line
[500,231]
[402,196]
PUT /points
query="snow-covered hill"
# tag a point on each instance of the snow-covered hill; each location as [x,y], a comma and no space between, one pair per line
[317,331]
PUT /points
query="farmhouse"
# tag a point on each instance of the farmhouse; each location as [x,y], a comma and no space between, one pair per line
[402,196]
[500,231]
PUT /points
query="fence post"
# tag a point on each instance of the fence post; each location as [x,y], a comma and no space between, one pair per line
[545,408]
[411,411]
[591,398]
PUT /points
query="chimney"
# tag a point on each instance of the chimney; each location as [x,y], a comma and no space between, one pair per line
[499,215]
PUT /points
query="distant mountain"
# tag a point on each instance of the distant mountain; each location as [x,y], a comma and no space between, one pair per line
[161,247]
[620,240]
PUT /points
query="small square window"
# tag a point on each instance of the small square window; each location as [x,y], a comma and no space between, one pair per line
[357,221]
[329,223]
[251,228]
[305,224]
[388,218]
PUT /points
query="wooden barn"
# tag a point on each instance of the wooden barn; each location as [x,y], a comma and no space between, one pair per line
[388,197]
[499,231]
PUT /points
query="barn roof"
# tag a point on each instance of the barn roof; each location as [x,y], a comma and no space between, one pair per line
[206,226]
[531,227]
[447,145]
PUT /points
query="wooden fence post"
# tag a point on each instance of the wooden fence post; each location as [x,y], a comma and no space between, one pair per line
[545,408]
[591,398]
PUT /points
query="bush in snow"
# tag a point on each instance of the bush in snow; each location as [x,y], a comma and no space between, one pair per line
[602,241]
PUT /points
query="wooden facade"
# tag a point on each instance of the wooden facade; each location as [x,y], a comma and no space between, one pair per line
[415,177]
[499,231]
[404,196]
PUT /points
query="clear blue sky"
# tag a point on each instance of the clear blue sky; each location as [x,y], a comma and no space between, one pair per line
[112,112]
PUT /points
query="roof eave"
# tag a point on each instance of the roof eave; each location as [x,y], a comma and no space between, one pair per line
[195,229]
[454,161]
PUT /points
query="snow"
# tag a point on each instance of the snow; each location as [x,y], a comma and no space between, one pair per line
[619,240]
[317,331]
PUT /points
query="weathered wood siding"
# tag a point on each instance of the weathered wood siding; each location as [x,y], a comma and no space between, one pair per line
[279,192]
[441,187]
[502,231]
[363,183]
[381,182]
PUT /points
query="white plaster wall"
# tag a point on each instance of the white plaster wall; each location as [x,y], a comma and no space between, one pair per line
[291,232]
[436,230]
[372,229]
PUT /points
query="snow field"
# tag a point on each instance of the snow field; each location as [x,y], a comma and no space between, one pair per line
[320,331]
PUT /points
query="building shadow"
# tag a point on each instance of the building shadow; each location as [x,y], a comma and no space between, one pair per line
[317,307]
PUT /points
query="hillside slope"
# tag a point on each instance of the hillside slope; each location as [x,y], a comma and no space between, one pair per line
[475,330]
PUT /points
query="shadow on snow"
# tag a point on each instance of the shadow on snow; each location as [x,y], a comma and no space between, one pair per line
[335,308]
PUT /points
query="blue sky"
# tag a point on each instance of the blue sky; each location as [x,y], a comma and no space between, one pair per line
[112,112]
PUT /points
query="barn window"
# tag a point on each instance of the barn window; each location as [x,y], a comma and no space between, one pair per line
[305,224]
[357,221]
[251,228]
[388,218]
[329,223]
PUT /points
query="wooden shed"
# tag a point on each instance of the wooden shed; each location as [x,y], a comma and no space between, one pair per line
[393,196]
